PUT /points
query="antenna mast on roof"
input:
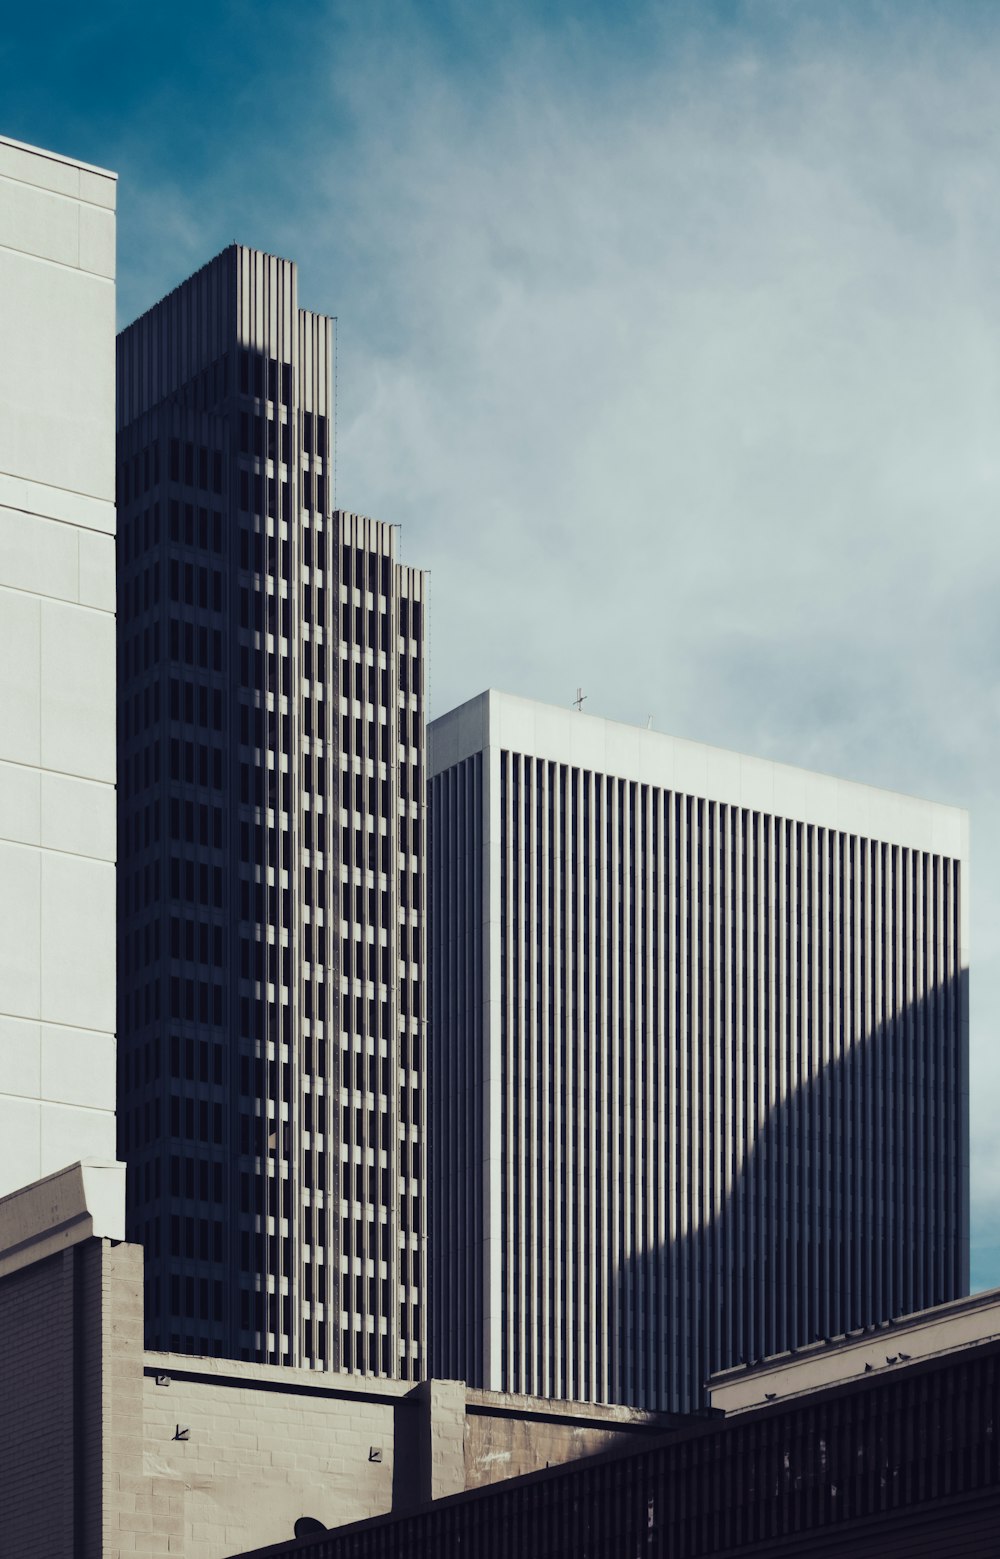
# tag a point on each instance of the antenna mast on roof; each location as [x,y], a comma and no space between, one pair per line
[578,701]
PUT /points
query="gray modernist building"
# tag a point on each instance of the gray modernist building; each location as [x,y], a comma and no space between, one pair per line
[57,667]
[698,1069]
[270,817]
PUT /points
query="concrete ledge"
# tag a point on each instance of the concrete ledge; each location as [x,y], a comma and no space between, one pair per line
[956,1326]
[86,1200]
[276,1377]
[601,1415]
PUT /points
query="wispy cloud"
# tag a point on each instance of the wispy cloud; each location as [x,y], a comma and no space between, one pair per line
[676,350]
[691,396]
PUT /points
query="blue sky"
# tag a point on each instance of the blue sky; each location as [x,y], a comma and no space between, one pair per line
[670,334]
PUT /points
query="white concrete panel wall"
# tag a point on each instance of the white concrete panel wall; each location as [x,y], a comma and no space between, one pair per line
[57,664]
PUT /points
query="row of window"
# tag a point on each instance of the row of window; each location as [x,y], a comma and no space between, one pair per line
[194,527]
[193,465]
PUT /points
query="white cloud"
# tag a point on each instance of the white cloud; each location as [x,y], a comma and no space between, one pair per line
[682,375]
[692,397]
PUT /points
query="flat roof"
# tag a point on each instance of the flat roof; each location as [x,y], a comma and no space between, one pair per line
[43,151]
[502,720]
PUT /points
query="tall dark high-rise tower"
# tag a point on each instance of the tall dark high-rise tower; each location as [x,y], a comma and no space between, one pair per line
[271,998]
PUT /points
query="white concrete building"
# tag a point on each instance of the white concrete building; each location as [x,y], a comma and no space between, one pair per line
[57,663]
[698,1055]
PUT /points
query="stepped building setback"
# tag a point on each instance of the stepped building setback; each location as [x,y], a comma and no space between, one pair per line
[699,1056]
[270,915]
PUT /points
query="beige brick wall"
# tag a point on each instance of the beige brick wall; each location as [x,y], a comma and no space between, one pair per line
[506,1436]
[441,1439]
[266,1446]
[142,1513]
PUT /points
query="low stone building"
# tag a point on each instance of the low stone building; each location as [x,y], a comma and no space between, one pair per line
[111,1450]
[882,1456]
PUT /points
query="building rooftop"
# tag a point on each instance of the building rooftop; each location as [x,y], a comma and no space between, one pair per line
[69,162]
[889,1345]
[694,768]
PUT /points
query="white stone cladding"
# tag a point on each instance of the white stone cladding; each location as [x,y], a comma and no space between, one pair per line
[57,666]
[698,1062]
